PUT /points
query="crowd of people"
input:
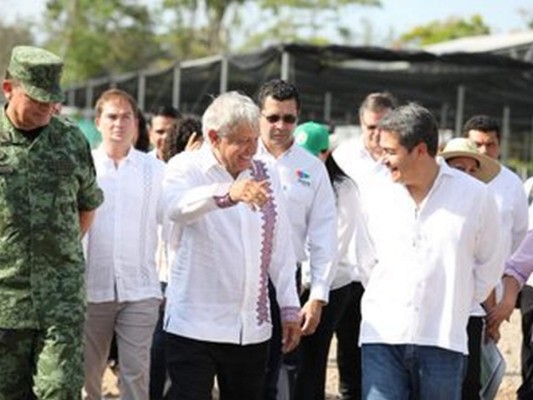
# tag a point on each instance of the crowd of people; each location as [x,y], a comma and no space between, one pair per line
[235,246]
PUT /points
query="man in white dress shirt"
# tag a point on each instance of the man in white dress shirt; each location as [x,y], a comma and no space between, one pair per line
[310,201]
[508,191]
[233,238]
[436,232]
[123,289]
[359,159]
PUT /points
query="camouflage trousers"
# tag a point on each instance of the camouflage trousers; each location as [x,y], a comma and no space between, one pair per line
[41,364]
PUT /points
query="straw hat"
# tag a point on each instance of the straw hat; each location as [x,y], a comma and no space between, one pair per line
[463,147]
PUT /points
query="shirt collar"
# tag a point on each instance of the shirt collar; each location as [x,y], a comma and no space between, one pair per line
[444,168]
[263,151]
[9,133]
[207,158]
[134,157]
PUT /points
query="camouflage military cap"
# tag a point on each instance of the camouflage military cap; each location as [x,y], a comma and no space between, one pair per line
[38,71]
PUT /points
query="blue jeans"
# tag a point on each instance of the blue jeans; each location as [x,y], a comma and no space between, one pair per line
[404,372]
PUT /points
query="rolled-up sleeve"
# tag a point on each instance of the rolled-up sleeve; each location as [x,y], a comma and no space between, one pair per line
[322,239]
[90,196]
[520,264]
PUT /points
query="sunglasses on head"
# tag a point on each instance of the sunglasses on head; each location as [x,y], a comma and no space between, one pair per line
[287,118]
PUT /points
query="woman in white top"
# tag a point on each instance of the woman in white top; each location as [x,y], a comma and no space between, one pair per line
[342,313]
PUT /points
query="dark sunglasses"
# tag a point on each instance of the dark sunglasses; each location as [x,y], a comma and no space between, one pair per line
[287,118]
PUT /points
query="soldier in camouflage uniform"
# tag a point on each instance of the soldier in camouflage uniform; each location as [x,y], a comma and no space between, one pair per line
[48,194]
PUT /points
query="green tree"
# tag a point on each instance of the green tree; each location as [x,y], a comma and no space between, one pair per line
[13,35]
[310,21]
[201,27]
[101,37]
[527,16]
[440,31]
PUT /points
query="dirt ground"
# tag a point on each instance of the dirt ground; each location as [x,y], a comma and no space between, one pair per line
[509,346]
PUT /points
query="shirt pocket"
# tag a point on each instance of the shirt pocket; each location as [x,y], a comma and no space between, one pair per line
[299,198]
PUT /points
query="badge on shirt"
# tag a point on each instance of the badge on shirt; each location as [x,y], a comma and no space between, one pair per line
[303,177]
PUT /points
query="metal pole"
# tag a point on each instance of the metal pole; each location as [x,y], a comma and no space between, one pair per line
[444,116]
[141,91]
[224,74]
[89,93]
[524,150]
[328,101]
[285,65]
[459,116]
[176,83]
[506,132]
[71,97]
[530,142]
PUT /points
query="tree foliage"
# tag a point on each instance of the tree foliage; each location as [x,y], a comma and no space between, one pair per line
[527,16]
[106,37]
[12,35]
[101,37]
[211,26]
[201,27]
[312,21]
[440,31]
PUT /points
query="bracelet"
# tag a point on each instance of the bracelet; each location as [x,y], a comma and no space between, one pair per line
[224,201]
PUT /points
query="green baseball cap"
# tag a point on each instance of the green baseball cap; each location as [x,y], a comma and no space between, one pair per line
[39,73]
[313,137]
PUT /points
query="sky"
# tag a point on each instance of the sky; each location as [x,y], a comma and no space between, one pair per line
[397,16]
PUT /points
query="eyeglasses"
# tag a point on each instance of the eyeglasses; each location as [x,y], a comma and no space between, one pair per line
[287,118]
[370,127]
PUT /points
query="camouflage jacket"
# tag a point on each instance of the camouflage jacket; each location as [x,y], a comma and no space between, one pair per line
[44,185]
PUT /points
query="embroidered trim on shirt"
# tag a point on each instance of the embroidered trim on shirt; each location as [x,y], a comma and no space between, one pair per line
[269,222]
[224,201]
[290,314]
[148,180]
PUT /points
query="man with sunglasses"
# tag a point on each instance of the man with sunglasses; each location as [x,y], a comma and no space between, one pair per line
[311,207]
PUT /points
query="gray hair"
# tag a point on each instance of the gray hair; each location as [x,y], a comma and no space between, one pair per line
[413,124]
[229,111]
[378,102]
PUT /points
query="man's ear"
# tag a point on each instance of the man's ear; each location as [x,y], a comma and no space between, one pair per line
[7,88]
[422,148]
[213,136]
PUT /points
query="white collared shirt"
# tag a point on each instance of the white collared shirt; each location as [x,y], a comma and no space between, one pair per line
[511,199]
[218,289]
[434,261]
[312,213]
[358,164]
[355,250]
[122,241]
